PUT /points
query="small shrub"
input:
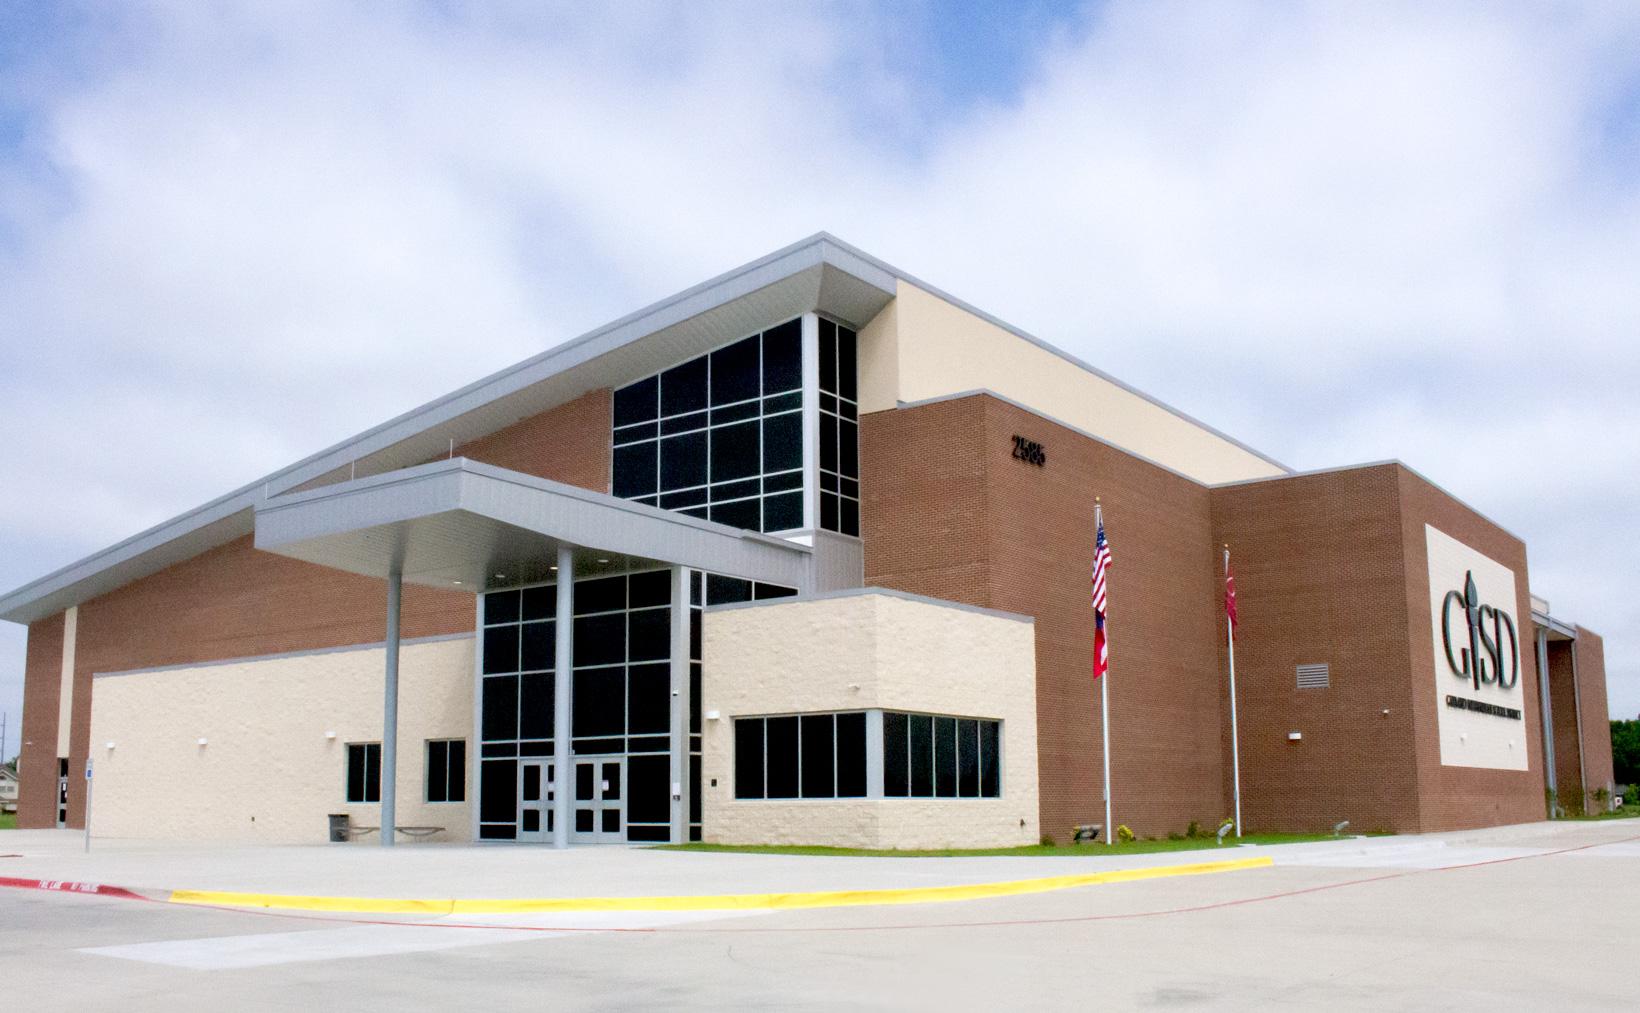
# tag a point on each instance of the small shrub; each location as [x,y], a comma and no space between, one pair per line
[1123,834]
[1176,836]
[1048,841]
[1194,830]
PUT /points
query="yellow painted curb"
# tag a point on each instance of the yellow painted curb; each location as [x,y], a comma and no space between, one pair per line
[706,902]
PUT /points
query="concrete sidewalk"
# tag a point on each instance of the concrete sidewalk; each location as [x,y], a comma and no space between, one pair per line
[512,871]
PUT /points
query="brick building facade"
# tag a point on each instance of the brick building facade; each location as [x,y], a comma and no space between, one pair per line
[1333,568]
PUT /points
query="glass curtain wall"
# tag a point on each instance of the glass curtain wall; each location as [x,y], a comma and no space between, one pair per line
[620,701]
[720,436]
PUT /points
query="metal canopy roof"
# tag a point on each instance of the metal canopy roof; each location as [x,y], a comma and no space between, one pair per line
[462,523]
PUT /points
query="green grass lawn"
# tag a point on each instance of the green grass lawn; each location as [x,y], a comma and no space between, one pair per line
[1099,850]
[8,821]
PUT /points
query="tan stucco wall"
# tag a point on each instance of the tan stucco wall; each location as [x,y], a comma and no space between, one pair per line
[856,653]
[922,347]
[267,773]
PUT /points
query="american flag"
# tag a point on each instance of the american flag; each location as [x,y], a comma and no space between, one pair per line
[1229,592]
[1101,565]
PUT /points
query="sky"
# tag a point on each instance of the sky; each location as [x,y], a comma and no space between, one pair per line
[232,234]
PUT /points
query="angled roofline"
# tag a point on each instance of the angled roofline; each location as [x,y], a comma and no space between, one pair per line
[1050,348]
[1391,462]
[57,590]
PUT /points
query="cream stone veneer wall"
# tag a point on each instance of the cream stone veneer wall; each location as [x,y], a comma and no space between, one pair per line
[921,346]
[267,773]
[860,650]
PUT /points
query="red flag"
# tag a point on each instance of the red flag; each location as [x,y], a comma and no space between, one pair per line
[1229,592]
[1101,564]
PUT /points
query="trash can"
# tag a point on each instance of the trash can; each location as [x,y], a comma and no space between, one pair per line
[338,827]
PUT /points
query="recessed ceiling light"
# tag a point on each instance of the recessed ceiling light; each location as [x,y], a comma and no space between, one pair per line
[455,581]
[500,576]
[603,560]
[555,568]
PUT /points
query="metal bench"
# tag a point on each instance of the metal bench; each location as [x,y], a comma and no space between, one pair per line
[416,832]
[1086,832]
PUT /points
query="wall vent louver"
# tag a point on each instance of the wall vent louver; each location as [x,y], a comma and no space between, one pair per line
[1314,676]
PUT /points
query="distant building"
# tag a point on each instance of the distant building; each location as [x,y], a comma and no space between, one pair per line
[802,554]
[8,789]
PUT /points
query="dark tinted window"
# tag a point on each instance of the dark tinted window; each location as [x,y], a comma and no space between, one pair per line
[819,762]
[748,758]
[781,757]
[851,755]
[896,769]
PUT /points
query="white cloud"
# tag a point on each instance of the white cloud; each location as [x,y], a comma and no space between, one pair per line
[1341,233]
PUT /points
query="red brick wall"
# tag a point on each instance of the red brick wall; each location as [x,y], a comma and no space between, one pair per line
[1563,710]
[1319,578]
[1597,738]
[948,512]
[570,443]
[1459,797]
[42,678]
[236,601]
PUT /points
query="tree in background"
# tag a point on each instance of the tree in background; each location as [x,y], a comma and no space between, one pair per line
[1626,752]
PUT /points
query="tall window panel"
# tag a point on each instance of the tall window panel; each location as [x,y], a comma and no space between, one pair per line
[930,756]
[515,698]
[839,431]
[720,436]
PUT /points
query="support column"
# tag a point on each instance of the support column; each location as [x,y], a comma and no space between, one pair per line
[1548,715]
[563,783]
[390,713]
[811,421]
[679,728]
[874,753]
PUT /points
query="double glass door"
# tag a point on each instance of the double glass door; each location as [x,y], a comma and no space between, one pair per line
[598,813]
[537,786]
[599,807]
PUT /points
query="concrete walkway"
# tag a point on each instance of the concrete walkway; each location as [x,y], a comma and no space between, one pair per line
[416,871]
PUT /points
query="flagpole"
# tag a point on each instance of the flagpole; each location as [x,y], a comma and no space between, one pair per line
[1104,700]
[1235,743]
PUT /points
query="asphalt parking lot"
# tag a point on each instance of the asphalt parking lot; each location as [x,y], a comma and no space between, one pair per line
[1511,918]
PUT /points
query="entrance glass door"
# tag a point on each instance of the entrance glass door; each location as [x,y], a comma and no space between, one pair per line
[600,804]
[536,787]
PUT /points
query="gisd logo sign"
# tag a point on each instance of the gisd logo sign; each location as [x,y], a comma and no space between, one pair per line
[1484,661]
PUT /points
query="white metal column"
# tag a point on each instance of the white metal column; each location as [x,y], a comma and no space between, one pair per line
[811,421]
[679,728]
[563,659]
[390,713]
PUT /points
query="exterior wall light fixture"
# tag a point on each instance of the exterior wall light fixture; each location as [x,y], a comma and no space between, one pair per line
[202,740]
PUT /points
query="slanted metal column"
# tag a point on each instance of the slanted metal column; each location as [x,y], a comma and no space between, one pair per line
[390,713]
[1548,714]
[679,728]
[563,782]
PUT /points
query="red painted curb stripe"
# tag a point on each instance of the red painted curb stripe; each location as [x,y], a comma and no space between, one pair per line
[69,886]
